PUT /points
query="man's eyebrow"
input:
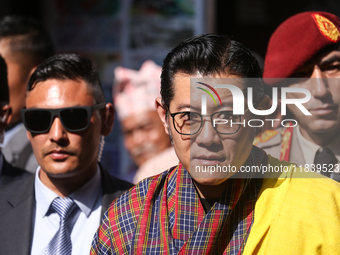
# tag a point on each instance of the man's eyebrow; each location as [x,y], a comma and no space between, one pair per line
[197,109]
[330,60]
[183,106]
[49,108]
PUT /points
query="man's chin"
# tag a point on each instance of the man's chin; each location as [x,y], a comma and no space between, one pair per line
[60,173]
[144,158]
[324,127]
[212,181]
[210,176]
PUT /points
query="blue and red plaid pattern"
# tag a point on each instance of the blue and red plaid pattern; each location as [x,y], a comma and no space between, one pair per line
[164,215]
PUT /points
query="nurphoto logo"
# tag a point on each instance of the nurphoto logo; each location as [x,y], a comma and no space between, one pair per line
[238,104]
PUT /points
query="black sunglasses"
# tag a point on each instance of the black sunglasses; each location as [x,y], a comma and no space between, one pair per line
[74,119]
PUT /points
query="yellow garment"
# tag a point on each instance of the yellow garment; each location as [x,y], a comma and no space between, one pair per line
[295,215]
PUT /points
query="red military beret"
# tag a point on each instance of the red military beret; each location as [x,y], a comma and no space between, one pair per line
[296,41]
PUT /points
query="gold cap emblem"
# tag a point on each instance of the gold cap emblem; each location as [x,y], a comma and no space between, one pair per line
[327,28]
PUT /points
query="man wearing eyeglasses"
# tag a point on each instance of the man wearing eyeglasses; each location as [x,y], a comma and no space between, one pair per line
[212,202]
[58,210]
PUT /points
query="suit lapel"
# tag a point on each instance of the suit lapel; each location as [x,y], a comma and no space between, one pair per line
[10,173]
[16,219]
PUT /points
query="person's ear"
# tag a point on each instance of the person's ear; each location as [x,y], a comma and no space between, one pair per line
[162,113]
[108,116]
[5,116]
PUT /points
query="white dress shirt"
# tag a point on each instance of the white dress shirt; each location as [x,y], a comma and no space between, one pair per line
[82,223]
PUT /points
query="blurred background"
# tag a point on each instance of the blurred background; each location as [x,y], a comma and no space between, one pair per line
[128,32]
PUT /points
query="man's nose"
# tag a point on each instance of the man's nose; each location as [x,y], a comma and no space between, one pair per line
[57,131]
[138,136]
[207,136]
[319,85]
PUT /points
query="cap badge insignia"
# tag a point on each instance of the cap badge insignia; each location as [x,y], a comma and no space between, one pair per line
[327,28]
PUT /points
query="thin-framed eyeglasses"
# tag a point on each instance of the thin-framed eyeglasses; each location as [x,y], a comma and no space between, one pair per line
[190,123]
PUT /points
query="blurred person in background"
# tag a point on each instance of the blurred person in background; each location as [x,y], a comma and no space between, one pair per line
[307,45]
[24,44]
[144,137]
[8,173]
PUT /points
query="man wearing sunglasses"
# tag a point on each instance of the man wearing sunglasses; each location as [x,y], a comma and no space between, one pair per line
[58,210]
[191,210]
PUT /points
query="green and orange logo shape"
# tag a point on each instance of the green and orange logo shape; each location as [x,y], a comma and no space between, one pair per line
[209,93]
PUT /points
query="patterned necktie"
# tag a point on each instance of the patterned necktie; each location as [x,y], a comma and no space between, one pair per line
[61,242]
[325,156]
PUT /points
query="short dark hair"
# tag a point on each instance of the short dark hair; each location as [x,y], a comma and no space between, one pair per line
[4,94]
[209,54]
[26,36]
[68,67]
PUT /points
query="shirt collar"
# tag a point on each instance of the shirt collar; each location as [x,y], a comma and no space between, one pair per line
[85,197]
[309,148]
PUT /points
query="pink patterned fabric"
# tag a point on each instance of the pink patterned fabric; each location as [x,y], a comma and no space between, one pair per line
[135,91]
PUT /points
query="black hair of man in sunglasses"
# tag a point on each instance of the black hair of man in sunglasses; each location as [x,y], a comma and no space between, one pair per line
[68,67]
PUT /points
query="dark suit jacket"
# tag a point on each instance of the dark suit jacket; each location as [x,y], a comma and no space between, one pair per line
[17,204]
[10,173]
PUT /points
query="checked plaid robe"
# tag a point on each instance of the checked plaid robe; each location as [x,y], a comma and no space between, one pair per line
[163,215]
